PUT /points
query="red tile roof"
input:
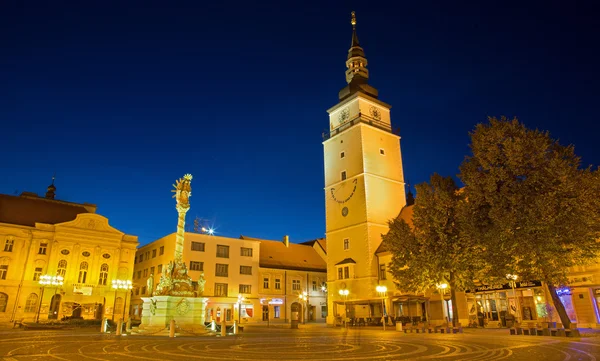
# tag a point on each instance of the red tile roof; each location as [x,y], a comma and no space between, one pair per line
[28,209]
[299,257]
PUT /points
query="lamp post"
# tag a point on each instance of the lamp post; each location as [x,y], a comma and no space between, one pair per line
[304,298]
[239,302]
[47,281]
[442,287]
[512,280]
[344,293]
[382,290]
[120,285]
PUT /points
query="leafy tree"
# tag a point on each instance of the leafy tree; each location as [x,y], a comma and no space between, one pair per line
[530,205]
[431,251]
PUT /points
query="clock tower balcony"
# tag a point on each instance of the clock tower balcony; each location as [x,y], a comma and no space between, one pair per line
[360,118]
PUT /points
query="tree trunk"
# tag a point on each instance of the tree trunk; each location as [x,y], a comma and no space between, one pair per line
[453,298]
[560,308]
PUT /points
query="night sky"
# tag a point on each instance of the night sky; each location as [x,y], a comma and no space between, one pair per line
[121,98]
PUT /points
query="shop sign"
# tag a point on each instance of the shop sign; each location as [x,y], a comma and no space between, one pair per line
[271,301]
[524,284]
[82,290]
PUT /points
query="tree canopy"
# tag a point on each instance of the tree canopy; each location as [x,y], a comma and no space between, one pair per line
[531,205]
[432,252]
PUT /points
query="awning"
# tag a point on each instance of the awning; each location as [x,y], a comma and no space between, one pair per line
[410,298]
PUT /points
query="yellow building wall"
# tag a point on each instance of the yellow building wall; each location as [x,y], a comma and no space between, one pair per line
[89,238]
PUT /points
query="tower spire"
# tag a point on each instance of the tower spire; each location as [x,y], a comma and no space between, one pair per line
[51,190]
[357,74]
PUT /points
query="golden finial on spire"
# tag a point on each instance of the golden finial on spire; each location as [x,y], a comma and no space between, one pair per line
[353,21]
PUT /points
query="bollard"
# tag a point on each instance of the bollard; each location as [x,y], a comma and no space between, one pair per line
[119,327]
[172,329]
[223,328]
[103,325]
[235,328]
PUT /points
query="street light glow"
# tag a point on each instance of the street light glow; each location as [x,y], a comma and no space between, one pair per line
[122,284]
[344,292]
[51,280]
[443,286]
[381,289]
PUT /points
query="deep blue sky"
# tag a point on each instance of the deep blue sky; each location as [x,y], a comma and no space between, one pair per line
[120,98]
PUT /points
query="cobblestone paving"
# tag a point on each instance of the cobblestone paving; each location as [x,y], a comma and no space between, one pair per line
[260,343]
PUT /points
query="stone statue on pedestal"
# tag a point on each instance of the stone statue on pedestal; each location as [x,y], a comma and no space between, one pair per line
[175,280]
[150,284]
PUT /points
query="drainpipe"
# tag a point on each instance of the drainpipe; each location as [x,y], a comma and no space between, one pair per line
[12,317]
[285,295]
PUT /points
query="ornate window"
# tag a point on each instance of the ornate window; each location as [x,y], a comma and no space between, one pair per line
[31,303]
[382,272]
[83,268]
[246,270]
[43,248]
[346,244]
[3,268]
[37,272]
[245,288]
[62,268]
[103,275]
[296,285]
[265,282]
[3,301]
[118,305]
[8,246]
[277,283]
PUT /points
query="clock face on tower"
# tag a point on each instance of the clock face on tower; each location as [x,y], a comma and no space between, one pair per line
[375,113]
[344,115]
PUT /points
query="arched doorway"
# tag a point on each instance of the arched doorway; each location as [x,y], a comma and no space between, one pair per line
[54,307]
[297,314]
[76,311]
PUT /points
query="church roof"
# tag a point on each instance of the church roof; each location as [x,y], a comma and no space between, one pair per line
[29,209]
[406,214]
[299,257]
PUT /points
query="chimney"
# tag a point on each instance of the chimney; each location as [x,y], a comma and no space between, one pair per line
[286,240]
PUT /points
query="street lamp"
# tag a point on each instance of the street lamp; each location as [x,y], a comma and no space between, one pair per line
[47,281]
[382,290]
[344,293]
[304,297]
[442,287]
[120,285]
[512,279]
[239,302]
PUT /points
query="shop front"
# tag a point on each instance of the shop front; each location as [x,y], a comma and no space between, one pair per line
[502,305]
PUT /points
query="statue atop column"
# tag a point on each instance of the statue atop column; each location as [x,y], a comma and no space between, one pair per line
[174,280]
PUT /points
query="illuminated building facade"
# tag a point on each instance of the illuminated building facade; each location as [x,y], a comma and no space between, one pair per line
[246,279]
[45,237]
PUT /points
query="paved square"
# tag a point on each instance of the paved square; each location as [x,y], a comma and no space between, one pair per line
[308,343]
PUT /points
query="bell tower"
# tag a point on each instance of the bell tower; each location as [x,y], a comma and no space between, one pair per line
[364,186]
